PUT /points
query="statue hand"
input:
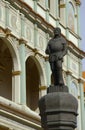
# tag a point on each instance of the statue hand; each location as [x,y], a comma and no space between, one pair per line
[60,57]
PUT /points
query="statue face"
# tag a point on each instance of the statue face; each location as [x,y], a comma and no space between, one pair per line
[57,31]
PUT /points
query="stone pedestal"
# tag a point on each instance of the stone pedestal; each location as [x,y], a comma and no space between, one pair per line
[58,110]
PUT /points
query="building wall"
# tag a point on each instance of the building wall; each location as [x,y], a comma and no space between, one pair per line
[83,75]
[25,28]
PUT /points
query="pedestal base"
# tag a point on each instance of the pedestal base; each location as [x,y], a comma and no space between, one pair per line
[57,88]
[58,111]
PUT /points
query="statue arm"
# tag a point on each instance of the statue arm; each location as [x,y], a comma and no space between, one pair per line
[64,50]
[47,51]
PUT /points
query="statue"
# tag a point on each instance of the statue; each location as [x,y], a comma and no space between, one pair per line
[58,109]
[57,49]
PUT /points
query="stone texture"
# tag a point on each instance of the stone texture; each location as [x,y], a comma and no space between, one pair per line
[58,111]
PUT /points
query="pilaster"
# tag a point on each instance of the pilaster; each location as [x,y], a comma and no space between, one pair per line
[80,68]
[68,73]
[47,11]
[48,73]
[7,14]
[23,72]
[16,86]
[35,35]
[68,60]
[57,13]
[68,80]
[82,104]
[35,5]
[48,70]
[78,21]
[66,19]
[22,25]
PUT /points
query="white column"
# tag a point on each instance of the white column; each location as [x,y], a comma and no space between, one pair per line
[23,72]
[16,86]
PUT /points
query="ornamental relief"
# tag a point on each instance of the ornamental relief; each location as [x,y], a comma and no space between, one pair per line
[41,42]
[28,33]
[14,21]
[64,77]
[2,31]
[74,66]
[74,89]
[0,13]
[14,40]
[71,17]
[28,52]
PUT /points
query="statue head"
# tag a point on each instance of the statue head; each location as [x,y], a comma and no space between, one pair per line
[57,31]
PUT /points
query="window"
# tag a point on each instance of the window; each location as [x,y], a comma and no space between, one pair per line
[59,7]
[52,7]
[71,16]
[74,90]
[5,71]
[61,11]
[49,4]
[32,84]
[42,2]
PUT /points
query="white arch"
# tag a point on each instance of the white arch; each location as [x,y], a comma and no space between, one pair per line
[72,3]
[76,85]
[41,70]
[40,67]
[13,50]
[14,53]
[16,67]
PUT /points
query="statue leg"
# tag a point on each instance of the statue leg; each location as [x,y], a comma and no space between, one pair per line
[56,77]
[54,73]
[59,72]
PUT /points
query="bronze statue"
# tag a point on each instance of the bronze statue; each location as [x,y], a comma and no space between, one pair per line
[57,49]
[58,109]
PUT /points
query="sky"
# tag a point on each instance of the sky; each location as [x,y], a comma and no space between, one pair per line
[82,29]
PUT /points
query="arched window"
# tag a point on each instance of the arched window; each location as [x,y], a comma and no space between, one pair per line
[32,83]
[61,11]
[71,17]
[6,65]
[59,7]
[74,90]
[49,4]
[52,6]
[42,2]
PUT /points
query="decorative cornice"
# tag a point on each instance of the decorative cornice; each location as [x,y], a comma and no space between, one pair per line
[80,53]
[19,112]
[46,58]
[25,8]
[62,6]
[78,97]
[42,88]
[36,18]
[78,2]
[76,15]
[14,73]
[80,80]
[22,41]
[2,67]
[2,30]
[68,72]
[7,32]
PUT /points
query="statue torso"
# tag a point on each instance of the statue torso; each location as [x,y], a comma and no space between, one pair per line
[56,45]
[56,48]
